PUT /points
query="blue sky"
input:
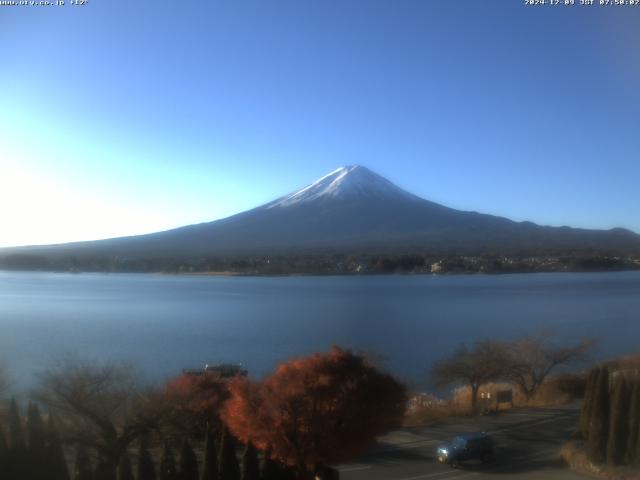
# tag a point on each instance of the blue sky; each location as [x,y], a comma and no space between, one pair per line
[129,117]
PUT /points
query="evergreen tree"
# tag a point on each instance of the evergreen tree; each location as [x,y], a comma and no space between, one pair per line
[269,467]
[288,472]
[125,472]
[618,423]
[634,423]
[36,444]
[4,454]
[105,470]
[146,469]
[637,452]
[56,463]
[210,466]
[227,459]
[35,432]
[16,434]
[82,470]
[250,465]
[188,462]
[18,465]
[587,402]
[168,469]
[599,424]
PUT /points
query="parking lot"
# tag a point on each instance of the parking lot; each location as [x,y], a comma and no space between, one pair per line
[527,446]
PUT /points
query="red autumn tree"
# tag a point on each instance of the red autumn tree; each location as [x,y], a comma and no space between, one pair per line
[194,402]
[316,411]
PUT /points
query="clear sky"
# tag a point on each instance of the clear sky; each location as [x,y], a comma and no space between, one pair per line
[124,117]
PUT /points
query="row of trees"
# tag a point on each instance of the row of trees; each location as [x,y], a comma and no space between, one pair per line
[310,414]
[34,454]
[525,362]
[610,416]
[330,263]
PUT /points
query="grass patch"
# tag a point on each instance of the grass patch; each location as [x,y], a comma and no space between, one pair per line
[558,390]
[428,414]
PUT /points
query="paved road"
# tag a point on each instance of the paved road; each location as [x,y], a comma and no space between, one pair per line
[527,442]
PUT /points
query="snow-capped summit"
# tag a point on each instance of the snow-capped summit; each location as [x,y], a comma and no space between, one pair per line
[349,182]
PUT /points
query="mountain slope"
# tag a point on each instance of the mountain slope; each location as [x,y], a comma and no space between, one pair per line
[353,209]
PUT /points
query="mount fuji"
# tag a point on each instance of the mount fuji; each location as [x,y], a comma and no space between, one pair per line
[350,210]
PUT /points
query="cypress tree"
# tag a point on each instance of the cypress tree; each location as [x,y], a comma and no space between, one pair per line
[618,423]
[36,444]
[636,460]
[250,465]
[146,469]
[587,402]
[125,472]
[105,470]
[18,465]
[599,424]
[168,469]
[188,462]
[82,470]
[634,423]
[35,432]
[227,459]
[16,434]
[210,466]
[288,472]
[56,463]
[4,454]
[269,467]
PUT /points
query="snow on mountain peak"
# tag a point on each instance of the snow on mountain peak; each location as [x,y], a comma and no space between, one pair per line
[352,181]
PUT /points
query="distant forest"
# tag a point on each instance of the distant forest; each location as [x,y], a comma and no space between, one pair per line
[326,264]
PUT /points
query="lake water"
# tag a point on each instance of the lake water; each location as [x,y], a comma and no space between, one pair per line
[165,323]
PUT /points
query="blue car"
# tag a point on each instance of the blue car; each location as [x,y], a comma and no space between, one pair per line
[466,446]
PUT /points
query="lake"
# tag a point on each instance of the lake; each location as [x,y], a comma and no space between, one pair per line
[164,323]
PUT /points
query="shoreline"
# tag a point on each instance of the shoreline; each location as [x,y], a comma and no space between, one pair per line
[312,274]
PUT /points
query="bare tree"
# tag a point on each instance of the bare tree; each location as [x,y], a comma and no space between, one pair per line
[482,364]
[99,406]
[531,359]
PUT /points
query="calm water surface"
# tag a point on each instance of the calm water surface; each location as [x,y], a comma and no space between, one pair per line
[165,323]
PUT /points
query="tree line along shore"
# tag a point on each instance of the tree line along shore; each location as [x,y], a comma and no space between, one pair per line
[330,263]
